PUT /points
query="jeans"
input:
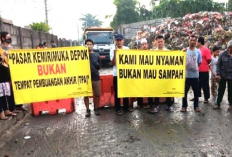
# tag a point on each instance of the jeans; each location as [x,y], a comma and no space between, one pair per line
[221,90]
[204,84]
[116,99]
[191,82]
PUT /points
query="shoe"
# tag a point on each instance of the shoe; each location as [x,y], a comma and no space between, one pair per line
[183,109]
[97,113]
[88,113]
[206,101]
[119,113]
[170,109]
[156,109]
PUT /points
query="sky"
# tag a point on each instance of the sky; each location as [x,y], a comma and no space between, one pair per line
[63,15]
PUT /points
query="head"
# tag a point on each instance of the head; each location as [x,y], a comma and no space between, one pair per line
[52,42]
[229,47]
[144,44]
[119,40]
[192,41]
[89,43]
[40,45]
[215,51]
[160,42]
[45,44]
[200,42]
[5,38]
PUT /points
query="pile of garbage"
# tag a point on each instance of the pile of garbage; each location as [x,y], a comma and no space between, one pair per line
[214,26]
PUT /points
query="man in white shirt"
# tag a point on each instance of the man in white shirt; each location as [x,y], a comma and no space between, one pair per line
[119,41]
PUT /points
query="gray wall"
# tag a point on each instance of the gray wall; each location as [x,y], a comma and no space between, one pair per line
[130,30]
[23,38]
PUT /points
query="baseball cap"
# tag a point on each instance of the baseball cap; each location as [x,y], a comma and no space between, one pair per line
[118,36]
[143,40]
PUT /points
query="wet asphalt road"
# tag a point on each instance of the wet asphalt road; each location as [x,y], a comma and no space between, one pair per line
[136,134]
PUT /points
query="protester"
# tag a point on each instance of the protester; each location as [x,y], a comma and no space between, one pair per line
[45,45]
[193,60]
[40,46]
[6,45]
[119,41]
[224,75]
[214,60]
[144,46]
[5,90]
[204,69]
[160,46]
[53,44]
[95,65]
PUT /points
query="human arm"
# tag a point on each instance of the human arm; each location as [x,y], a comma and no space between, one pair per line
[113,56]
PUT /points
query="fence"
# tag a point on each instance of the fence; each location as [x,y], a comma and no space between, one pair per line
[23,38]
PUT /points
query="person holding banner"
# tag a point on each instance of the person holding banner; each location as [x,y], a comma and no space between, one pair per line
[144,46]
[4,86]
[119,41]
[193,61]
[95,65]
[6,45]
[160,47]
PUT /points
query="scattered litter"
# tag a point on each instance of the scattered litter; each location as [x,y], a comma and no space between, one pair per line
[27,137]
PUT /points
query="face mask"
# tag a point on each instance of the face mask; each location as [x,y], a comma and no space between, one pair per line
[8,40]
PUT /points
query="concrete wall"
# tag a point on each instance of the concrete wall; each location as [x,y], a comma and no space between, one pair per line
[130,30]
[23,38]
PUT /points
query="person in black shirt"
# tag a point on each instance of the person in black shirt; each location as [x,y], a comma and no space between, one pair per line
[95,65]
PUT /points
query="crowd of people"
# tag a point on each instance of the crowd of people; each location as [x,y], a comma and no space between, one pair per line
[201,63]
[44,45]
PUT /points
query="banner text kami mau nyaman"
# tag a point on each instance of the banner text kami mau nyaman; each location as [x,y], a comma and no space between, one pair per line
[50,74]
[146,73]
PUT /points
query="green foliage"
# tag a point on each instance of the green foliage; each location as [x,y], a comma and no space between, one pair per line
[127,12]
[90,21]
[41,26]
[179,8]
[229,5]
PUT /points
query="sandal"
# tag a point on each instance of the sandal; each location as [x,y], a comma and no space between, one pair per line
[197,109]
[147,106]
[229,108]
[10,114]
[216,107]
[183,109]
[206,101]
[3,117]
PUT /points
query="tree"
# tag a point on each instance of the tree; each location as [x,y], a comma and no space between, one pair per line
[126,13]
[41,26]
[90,21]
[229,5]
[179,8]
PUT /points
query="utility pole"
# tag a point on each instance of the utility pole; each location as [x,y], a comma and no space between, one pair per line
[46,12]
